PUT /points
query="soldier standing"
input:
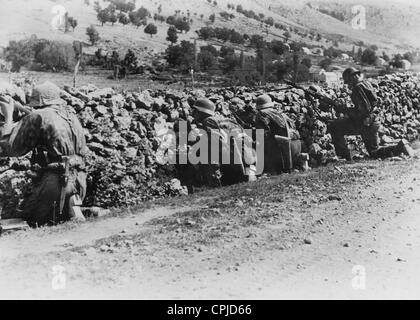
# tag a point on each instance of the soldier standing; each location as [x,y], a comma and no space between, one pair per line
[362,120]
[55,136]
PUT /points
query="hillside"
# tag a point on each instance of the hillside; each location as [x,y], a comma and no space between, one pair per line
[25,17]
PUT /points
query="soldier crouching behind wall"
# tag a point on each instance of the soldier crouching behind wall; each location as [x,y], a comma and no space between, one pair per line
[235,146]
[55,136]
[282,145]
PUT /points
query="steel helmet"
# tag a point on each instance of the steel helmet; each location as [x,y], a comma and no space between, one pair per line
[45,94]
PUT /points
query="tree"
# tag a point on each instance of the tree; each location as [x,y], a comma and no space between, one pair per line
[93,34]
[230,62]
[206,59]
[55,56]
[172,35]
[225,51]
[307,62]
[236,37]
[103,16]
[136,19]
[269,21]
[181,55]
[150,29]
[182,25]
[96,6]
[123,19]
[20,53]
[210,49]
[257,41]
[130,60]
[143,13]
[278,47]
[206,33]
[287,35]
[212,18]
[171,20]
[325,63]
[369,56]
[72,22]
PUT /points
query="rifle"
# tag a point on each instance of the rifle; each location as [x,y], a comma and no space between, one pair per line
[314,94]
[242,123]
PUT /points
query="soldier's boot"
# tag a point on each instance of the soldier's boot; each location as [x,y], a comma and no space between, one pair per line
[404,147]
[251,173]
[75,211]
[302,161]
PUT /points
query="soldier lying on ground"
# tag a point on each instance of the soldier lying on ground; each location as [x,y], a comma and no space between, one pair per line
[362,119]
[234,145]
[55,136]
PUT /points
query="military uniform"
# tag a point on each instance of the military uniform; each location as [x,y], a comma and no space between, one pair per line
[234,145]
[54,135]
[231,132]
[361,120]
[277,158]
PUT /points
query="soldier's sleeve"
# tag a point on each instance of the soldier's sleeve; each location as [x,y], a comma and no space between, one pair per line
[262,122]
[361,101]
[23,138]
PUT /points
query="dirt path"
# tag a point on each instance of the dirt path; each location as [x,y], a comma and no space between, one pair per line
[297,236]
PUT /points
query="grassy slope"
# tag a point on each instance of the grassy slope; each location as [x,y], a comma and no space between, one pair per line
[25,17]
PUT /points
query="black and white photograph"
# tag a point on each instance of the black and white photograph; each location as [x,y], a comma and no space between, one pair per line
[209,150]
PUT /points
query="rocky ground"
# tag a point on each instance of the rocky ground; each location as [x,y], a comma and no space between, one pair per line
[291,236]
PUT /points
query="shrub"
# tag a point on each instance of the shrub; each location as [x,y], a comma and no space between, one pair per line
[212,18]
[20,53]
[150,29]
[72,22]
[182,25]
[206,59]
[369,56]
[172,35]
[181,55]
[103,16]
[325,63]
[93,34]
[56,56]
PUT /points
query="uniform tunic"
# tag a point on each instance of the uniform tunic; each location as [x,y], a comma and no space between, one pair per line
[361,121]
[274,124]
[234,172]
[50,134]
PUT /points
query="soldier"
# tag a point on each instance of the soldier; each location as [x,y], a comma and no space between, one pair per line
[279,135]
[362,120]
[56,138]
[234,140]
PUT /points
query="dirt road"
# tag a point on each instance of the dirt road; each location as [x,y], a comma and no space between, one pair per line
[347,231]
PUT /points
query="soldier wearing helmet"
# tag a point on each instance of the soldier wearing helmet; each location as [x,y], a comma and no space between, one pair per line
[233,140]
[54,135]
[279,135]
[361,120]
